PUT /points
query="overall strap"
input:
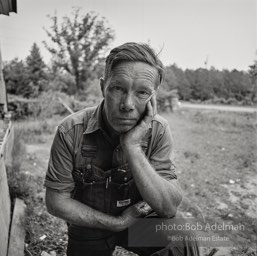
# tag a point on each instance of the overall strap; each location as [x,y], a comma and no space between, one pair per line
[89,144]
[89,148]
[85,153]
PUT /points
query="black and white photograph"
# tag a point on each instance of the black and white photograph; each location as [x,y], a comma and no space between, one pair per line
[128,128]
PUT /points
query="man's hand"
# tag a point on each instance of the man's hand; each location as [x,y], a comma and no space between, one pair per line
[131,214]
[133,137]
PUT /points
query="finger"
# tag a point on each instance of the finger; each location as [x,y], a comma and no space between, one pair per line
[139,207]
[140,204]
[145,208]
[147,118]
[154,104]
[149,109]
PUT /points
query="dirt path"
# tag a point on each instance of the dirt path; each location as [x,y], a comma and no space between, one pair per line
[219,107]
[45,233]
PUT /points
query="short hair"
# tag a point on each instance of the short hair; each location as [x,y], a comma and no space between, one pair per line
[133,52]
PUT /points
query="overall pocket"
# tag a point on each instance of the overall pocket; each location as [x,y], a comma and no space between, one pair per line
[93,195]
[122,191]
[90,188]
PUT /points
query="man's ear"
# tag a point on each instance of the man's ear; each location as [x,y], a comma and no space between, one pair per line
[102,85]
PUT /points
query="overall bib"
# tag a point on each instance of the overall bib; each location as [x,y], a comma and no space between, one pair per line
[109,191]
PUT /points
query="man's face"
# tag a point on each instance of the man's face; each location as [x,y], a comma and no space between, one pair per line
[126,94]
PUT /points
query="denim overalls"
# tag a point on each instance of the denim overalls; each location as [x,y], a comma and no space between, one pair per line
[109,191]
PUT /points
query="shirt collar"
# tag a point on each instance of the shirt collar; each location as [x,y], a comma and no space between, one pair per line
[96,121]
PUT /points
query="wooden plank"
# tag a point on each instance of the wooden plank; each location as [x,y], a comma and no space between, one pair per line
[17,235]
[4,7]
[7,6]
[3,95]
[5,209]
[8,145]
[14,5]
[4,141]
[5,202]
[65,105]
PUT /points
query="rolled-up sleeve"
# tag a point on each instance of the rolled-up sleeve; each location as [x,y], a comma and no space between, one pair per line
[161,157]
[60,166]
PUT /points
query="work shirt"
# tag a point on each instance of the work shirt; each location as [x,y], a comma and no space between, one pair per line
[156,144]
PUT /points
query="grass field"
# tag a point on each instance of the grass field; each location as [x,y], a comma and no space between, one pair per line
[215,154]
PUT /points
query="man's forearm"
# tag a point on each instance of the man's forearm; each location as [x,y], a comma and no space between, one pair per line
[162,195]
[72,211]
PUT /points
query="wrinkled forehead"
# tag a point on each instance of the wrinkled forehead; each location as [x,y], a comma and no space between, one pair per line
[135,71]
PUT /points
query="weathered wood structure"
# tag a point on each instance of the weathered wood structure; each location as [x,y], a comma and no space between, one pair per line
[7,6]
[12,233]
[11,220]
[3,95]
[5,202]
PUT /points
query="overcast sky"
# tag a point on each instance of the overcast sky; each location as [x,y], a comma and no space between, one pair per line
[224,32]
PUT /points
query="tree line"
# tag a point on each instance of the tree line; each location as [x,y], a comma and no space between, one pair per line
[212,85]
[78,44]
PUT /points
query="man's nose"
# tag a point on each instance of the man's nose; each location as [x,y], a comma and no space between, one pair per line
[127,102]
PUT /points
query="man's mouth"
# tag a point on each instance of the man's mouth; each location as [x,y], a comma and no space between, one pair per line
[127,120]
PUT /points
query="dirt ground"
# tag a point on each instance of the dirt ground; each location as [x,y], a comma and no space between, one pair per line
[215,155]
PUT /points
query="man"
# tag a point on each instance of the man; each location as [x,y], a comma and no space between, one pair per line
[110,165]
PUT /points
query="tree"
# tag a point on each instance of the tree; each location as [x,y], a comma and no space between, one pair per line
[26,78]
[170,78]
[16,77]
[78,43]
[199,84]
[36,69]
[184,88]
[253,75]
[216,79]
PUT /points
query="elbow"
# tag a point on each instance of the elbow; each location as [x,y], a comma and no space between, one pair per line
[52,203]
[169,213]
[49,206]
[178,198]
[173,197]
[170,209]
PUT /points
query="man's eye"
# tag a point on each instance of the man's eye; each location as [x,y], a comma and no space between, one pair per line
[143,94]
[117,88]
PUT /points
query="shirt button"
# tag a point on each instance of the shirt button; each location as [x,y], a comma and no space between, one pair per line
[88,166]
[125,178]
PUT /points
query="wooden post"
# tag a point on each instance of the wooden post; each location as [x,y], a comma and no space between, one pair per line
[3,95]
[17,235]
[65,105]
[5,208]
